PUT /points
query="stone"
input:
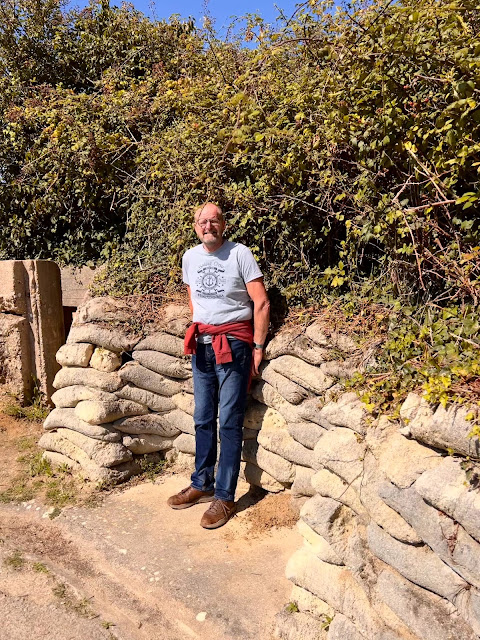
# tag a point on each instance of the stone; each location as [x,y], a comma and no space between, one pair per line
[164,364]
[310,410]
[280,469]
[336,340]
[259,416]
[185,443]
[149,380]
[342,369]
[279,441]
[342,452]
[69,376]
[302,485]
[53,442]
[336,586]
[260,478]
[332,394]
[15,356]
[447,488]
[403,461]
[266,394]
[368,487]
[153,401]
[447,539]
[101,412]
[140,445]
[428,616]
[150,424]
[105,454]
[184,462]
[75,355]
[249,434]
[349,411]
[295,625]
[317,545]
[102,309]
[185,402]
[71,396]
[329,485]
[13,297]
[187,385]
[411,406]
[289,390]
[296,503]
[113,339]
[59,460]
[336,524]
[66,418]
[294,342]
[308,603]
[416,563]
[306,433]
[446,429]
[304,374]
[162,342]
[255,414]
[341,628]
[181,420]
[105,360]
[175,319]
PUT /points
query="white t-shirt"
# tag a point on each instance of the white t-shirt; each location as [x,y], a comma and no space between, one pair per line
[217,282]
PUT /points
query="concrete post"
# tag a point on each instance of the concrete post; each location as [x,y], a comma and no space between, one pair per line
[31,325]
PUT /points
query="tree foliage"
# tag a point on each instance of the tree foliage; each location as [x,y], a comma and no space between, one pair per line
[344,145]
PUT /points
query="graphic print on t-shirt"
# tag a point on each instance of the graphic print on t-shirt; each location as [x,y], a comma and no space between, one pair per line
[210,281]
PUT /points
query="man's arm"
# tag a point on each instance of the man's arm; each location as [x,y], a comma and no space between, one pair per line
[261,317]
[190,299]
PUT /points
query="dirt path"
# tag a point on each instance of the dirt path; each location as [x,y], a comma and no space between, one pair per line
[132,568]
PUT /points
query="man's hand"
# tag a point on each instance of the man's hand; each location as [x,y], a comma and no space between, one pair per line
[257,360]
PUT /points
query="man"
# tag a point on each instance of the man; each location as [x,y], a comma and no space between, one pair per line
[223,282]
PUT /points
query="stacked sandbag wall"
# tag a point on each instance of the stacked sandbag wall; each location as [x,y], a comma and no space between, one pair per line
[391,533]
[110,409]
[388,508]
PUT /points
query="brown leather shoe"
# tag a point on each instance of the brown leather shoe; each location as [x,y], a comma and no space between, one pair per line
[218,513]
[188,497]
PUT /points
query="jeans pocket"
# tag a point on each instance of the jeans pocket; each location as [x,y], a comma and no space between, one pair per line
[242,354]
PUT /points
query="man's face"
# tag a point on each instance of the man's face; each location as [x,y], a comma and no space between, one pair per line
[209,226]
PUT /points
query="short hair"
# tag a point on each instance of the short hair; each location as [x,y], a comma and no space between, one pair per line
[199,210]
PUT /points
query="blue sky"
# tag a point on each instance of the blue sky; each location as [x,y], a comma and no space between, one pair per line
[219,9]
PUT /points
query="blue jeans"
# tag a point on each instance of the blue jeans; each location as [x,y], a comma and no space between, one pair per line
[224,387]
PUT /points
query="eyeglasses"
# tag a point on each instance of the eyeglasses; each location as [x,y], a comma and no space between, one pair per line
[213,221]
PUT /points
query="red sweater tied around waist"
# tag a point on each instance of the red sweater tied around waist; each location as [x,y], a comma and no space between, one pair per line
[221,347]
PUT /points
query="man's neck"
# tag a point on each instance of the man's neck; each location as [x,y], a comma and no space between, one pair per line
[213,248]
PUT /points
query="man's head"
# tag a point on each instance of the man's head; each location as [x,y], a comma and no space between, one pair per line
[210,225]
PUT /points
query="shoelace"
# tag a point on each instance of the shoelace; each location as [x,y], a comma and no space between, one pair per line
[184,491]
[217,506]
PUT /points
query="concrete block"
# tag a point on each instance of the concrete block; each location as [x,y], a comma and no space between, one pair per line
[15,371]
[12,287]
[44,313]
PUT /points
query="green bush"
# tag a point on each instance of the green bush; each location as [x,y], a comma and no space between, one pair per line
[344,146]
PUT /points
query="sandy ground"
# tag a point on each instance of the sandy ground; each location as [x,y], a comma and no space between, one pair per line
[132,568]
